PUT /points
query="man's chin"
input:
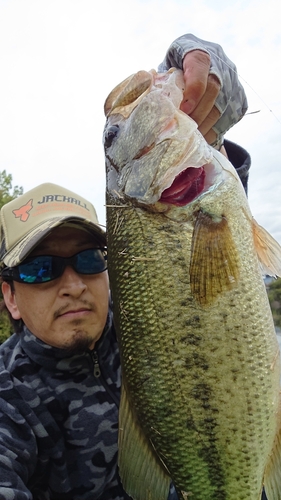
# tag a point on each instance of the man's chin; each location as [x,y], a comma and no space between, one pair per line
[80,343]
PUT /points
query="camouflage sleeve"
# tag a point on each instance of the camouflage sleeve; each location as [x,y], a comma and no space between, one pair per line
[231,101]
[17,451]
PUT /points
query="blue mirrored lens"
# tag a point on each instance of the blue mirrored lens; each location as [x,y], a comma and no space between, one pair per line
[37,270]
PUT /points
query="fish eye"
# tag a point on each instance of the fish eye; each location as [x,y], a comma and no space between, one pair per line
[110,135]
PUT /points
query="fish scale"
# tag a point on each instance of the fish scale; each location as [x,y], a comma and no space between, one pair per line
[200,358]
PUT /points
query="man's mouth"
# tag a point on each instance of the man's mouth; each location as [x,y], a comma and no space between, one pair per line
[73,312]
[185,188]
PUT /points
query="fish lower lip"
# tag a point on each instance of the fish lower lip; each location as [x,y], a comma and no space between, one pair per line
[186,187]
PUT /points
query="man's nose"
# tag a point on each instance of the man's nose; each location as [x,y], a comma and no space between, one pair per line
[72,283]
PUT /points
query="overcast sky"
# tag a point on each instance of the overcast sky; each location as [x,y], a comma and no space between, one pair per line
[59,59]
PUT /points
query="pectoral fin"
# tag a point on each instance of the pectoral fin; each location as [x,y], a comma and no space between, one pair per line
[142,474]
[268,250]
[214,265]
[272,476]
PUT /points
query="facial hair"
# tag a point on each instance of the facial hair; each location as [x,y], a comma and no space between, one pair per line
[80,342]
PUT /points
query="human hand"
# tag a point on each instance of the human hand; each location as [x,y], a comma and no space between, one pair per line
[200,93]
[213,96]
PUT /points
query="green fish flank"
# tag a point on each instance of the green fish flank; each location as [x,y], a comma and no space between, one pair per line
[199,354]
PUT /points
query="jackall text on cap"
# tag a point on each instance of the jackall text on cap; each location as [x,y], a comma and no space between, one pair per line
[26,220]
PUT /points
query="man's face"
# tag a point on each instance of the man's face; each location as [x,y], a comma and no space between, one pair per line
[69,312]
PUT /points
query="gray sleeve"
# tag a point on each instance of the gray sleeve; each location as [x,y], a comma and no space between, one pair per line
[231,101]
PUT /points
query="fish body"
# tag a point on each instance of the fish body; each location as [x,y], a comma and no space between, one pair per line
[199,353]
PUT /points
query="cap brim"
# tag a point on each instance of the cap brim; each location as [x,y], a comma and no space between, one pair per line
[23,247]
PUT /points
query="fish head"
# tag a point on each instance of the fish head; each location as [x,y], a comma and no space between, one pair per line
[155,155]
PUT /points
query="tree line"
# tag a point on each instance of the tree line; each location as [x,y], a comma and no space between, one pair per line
[7,193]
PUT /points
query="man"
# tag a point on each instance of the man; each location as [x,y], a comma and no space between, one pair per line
[63,443]
[60,373]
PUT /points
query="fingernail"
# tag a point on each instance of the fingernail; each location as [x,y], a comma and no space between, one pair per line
[188,106]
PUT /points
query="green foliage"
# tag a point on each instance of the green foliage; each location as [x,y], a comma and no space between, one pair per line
[7,193]
[5,188]
[5,326]
[274,296]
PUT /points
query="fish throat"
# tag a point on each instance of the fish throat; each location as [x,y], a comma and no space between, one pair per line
[185,188]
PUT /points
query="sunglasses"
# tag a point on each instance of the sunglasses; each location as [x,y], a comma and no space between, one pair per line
[44,268]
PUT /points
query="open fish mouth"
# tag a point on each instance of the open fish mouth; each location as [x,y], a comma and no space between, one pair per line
[186,186]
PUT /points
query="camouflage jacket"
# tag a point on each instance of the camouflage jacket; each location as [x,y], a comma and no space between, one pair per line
[59,420]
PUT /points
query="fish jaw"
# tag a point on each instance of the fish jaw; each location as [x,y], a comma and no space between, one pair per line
[128,94]
[155,143]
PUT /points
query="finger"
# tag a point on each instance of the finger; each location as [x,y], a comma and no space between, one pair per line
[196,65]
[209,121]
[205,111]
[211,137]
[223,151]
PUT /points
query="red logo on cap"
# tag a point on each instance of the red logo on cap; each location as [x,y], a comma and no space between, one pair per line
[22,212]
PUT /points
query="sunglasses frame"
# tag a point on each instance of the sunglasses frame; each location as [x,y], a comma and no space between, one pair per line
[13,273]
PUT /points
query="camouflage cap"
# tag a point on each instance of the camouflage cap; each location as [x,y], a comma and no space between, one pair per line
[26,220]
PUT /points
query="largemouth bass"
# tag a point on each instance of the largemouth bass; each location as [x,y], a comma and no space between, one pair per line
[200,358]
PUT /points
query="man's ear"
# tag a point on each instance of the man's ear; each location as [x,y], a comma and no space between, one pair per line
[10,300]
